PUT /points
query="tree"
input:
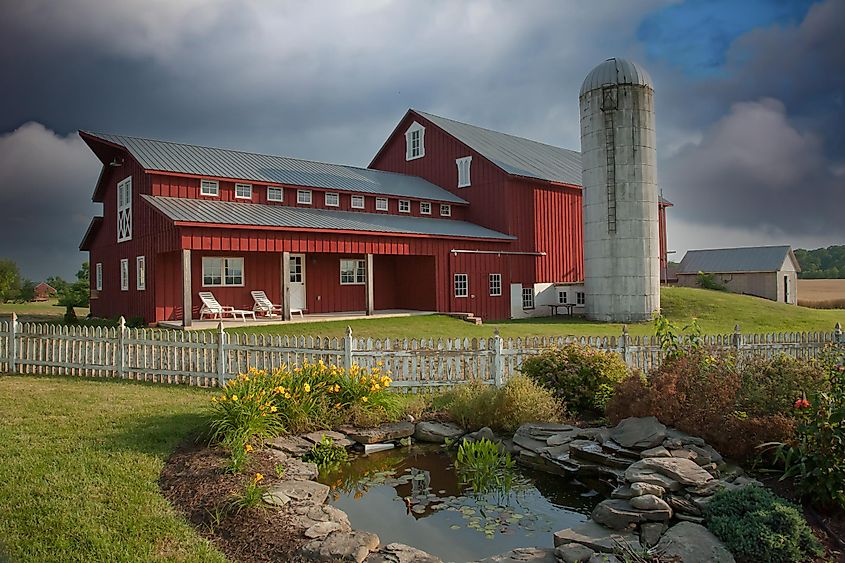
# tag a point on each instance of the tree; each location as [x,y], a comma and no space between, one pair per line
[10,280]
[57,283]
[76,294]
[27,291]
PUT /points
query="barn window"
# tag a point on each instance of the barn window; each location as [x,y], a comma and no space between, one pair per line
[415,141]
[357,202]
[275,193]
[495,285]
[222,272]
[381,204]
[527,297]
[332,199]
[98,276]
[124,274]
[463,171]
[561,296]
[124,210]
[445,210]
[353,272]
[243,191]
[425,207]
[579,298]
[404,206]
[140,273]
[303,197]
[461,285]
[210,188]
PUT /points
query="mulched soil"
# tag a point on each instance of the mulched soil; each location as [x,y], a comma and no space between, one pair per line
[194,480]
[829,528]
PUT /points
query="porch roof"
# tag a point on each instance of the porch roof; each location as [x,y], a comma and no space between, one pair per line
[211,212]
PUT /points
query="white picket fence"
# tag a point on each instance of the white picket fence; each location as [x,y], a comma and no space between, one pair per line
[210,358]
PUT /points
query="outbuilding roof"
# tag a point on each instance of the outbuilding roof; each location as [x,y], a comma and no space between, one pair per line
[737,260]
[167,156]
[214,212]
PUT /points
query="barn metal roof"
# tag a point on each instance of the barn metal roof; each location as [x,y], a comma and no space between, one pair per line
[515,155]
[284,216]
[616,71]
[168,156]
[736,260]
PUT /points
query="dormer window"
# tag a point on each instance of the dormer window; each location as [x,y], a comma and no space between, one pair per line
[404,206]
[415,141]
[209,188]
[243,191]
[445,210]
[357,202]
[381,204]
[303,197]
[463,171]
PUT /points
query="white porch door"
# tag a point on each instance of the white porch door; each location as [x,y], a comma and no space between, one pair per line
[297,281]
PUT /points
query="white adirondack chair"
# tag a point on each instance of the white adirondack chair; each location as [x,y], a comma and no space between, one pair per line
[210,306]
[268,308]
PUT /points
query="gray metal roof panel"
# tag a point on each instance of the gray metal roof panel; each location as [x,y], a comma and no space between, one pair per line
[515,155]
[284,216]
[735,260]
[616,71]
[168,156]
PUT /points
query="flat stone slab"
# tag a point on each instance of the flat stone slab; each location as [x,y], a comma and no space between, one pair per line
[604,558]
[693,543]
[543,431]
[639,474]
[437,432]
[295,468]
[383,433]
[651,502]
[291,445]
[401,553]
[593,452]
[650,533]
[306,516]
[682,470]
[639,433]
[301,491]
[618,514]
[657,451]
[523,555]
[341,546]
[596,537]
[562,437]
[573,553]
[337,438]
[529,443]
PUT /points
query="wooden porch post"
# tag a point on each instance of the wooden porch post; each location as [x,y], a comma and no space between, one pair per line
[187,290]
[368,285]
[286,286]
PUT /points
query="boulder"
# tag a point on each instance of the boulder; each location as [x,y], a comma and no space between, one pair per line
[650,533]
[596,537]
[639,474]
[322,529]
[593,452]
[640,489]
[301,491]
[341,546]
[682,505]
[623,492]
[401,553]
[621,515]
[693,543]
[383,433]
[658,451]
[573,553]
[275,498]
[337,438]
[685,453]
[616,449]
[526,442]
[482,434]
[295,468]
[437,432]
[306,516]
[650,502]
[684,471]
[639,433]
[291,445]
[523,555]
[544,431]
[562,437]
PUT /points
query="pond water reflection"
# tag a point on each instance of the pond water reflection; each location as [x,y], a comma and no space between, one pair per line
[414,496]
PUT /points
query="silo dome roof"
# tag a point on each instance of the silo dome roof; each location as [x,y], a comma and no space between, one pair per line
[616,71]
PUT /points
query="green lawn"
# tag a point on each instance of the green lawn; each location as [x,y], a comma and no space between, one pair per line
[38,310]
[79,470]
[716,311]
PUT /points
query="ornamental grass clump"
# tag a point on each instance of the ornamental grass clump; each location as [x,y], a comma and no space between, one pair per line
[326,454]
[250,496]
[484,466]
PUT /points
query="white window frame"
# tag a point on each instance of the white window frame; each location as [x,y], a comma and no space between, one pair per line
[415,142]
[245,188]
[98,276]
[495,282]
[275,190]
[463,171]
[124,209]
[445,210]
[140,273]
[580,298]
[353,271]
[124,274]
[210,188]
[332,199]
[461,285]
[382,204]
[425,208]
[528,297]
[304,197]
[353,203]
[404,206]
[220,265]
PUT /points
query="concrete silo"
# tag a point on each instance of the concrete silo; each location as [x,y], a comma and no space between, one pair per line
[618,160]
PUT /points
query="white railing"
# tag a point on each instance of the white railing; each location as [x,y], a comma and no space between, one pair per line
[210,358]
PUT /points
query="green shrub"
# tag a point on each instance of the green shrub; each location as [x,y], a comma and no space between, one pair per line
[244,411]
[475,405]
[758,526]
[675,341]
[578,375]
[484,466]
[326,453]
[708,281]
[772,385]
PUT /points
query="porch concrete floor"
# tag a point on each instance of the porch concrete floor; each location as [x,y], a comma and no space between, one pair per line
[207,324]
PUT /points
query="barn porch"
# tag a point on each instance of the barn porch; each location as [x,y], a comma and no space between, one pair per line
[208,324]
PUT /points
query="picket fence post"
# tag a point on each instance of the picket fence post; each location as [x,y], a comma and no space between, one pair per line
[498,359]
[737,338]
[222,338]
[13,329]
[838,336]
[623,344]
[121,349]
[347,348]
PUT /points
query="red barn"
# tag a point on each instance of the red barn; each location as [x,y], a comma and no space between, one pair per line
[448,217]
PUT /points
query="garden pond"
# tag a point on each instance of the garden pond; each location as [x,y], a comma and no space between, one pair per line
[416,495]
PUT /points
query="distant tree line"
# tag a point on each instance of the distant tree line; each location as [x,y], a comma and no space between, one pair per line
[16,288]
[827,263]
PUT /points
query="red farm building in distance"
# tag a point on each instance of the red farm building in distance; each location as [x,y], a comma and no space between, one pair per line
[448,217]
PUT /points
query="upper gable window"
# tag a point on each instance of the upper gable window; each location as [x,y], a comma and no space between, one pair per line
[357,202]
[415,141]
[275,193]
[303,197]
[381,204]
[445,210]
[243,191]
[404,206]
[209,187]
[332,199]
[425,207]
[463,171]
[124,210]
